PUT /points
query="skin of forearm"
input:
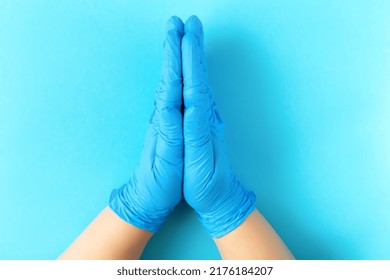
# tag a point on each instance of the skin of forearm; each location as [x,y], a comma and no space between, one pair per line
[108,238]
[253,239]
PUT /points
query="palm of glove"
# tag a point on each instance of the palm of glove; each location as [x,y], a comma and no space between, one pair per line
[158,179]
[207,172]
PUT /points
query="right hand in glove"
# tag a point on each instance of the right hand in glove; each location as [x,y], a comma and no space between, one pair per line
[210,186]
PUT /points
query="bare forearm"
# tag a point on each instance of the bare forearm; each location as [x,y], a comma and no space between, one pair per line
[108,237]
[253,239]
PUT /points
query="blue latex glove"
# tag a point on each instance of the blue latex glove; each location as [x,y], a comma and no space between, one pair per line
[210,186]
[156,185]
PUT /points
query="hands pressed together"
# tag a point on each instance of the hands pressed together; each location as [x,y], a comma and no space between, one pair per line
[184,156]
[184,153]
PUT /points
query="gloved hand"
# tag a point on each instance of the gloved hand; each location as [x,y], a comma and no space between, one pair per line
[210,186]
[156,185]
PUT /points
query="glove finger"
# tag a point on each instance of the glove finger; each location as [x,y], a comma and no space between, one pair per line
[193,25]
[195,80]
[169,92]
[168,103]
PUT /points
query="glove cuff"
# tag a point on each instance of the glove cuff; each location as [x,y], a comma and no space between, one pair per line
[132,212]
[229,216]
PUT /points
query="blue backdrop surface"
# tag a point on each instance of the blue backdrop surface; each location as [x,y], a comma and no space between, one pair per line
[303,88]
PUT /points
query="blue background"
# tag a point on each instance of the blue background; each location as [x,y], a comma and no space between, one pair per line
[303,88]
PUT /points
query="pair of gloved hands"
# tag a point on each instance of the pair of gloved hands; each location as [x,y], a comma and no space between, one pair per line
[184,152]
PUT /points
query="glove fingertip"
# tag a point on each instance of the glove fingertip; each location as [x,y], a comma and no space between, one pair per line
[194,25]
[175,24]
